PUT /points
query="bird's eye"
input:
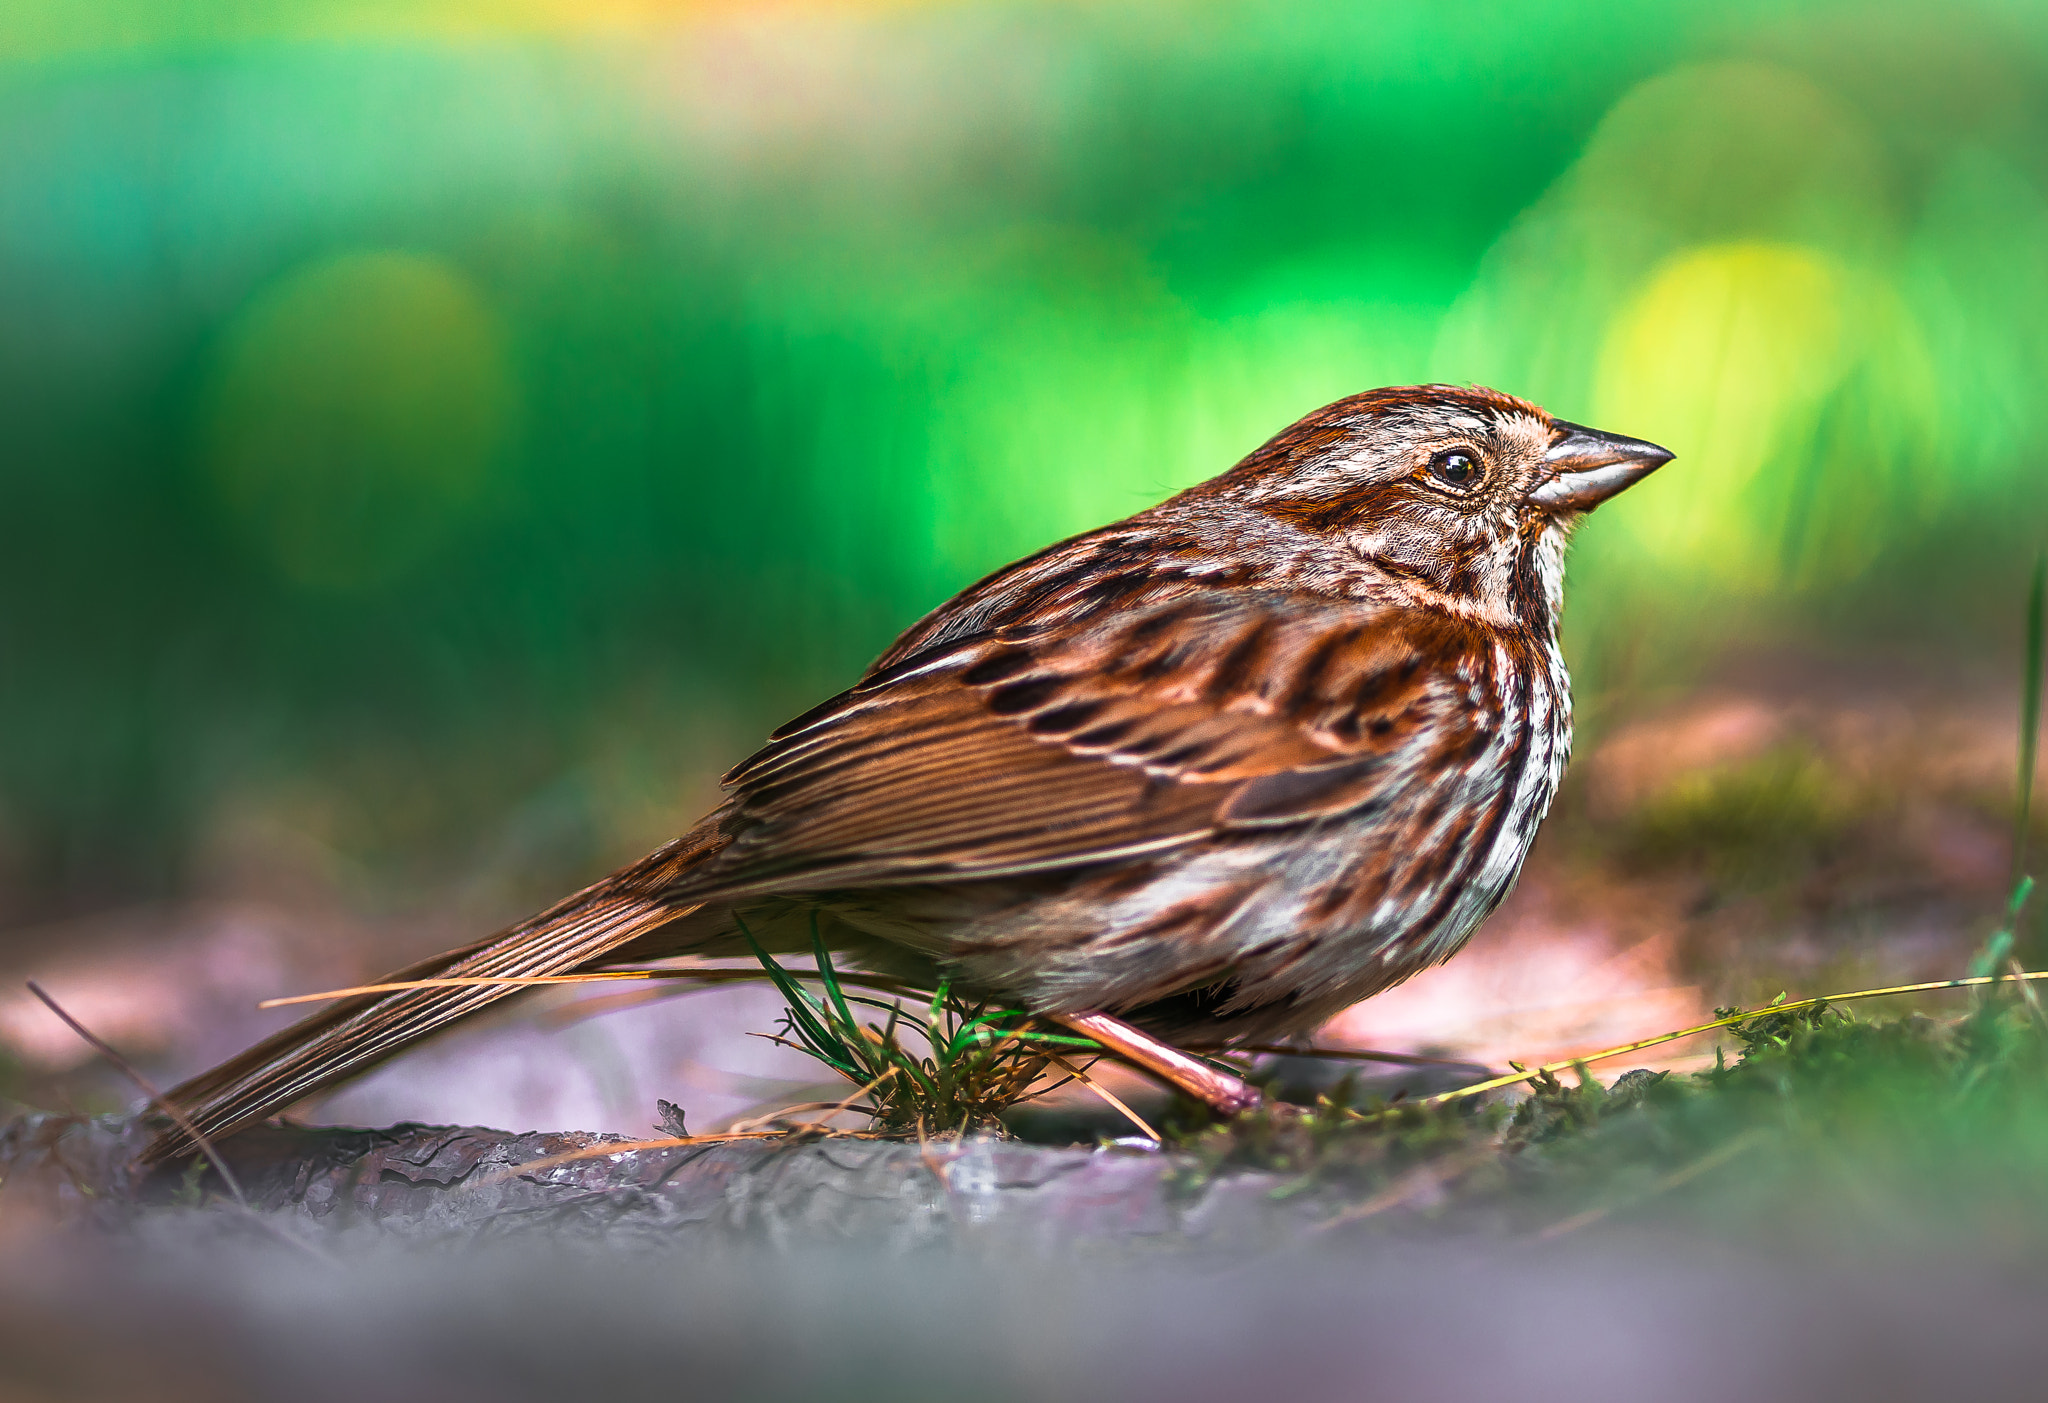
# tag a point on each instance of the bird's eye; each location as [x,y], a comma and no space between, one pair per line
[1454,467]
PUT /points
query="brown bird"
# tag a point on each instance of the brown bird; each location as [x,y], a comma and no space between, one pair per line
[1211,773]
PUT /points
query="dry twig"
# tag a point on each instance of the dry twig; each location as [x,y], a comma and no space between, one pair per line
[183,1122]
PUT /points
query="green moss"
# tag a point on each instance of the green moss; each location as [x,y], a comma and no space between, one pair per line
[1814,1124]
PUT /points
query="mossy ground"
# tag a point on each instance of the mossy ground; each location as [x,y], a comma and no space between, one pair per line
[1815,1122]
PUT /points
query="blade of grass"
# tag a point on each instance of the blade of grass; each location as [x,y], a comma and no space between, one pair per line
[1063,1040]
[804,1011]
[971,1032]
[934,1026]
[878,1005]
[2030,740]
[926,1083]
[828,976]
[845,1067]
[1998,945]
[983,1021]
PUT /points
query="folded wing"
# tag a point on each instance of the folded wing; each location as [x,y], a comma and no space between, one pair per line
[1025,750]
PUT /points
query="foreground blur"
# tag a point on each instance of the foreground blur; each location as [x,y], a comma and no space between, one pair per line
[1632,1319]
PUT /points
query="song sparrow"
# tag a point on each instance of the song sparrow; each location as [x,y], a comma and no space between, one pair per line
[1213,772]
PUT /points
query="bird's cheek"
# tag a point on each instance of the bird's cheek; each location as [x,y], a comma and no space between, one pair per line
[1405,553]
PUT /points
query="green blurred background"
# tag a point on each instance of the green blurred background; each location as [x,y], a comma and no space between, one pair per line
[452,431]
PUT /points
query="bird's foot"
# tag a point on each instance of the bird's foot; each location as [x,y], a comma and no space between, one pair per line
[1219,1090]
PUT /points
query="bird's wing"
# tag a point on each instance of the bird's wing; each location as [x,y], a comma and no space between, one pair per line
[1025,750]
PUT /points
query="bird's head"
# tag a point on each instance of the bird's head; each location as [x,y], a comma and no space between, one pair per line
[1452,498]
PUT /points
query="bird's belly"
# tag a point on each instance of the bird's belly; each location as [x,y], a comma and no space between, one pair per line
[1285,923]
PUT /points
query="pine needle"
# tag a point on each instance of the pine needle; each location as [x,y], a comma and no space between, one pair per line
[1106,1094]
[830,1108]
[621,1147]
[878,983]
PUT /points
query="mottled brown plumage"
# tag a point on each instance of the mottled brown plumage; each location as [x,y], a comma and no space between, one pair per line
[1220,769]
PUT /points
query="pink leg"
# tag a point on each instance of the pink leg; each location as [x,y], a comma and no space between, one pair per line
[1221,1092]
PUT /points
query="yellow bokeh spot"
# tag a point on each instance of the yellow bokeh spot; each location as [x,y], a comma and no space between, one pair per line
[1725,355]
[354,412]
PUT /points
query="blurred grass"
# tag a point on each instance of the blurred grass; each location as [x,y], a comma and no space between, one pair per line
[1819,1130]
[1893,1127]
[1746,826]
[415,416]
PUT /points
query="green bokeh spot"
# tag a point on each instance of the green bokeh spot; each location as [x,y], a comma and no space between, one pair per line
[357,407]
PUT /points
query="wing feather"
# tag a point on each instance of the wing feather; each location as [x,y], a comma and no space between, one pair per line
[1060,747]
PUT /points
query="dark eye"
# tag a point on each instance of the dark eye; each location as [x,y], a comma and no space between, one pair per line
[1455,467]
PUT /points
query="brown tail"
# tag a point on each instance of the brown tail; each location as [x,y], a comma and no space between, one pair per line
[353,1036]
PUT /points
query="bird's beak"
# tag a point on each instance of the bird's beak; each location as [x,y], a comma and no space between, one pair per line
[1587,467]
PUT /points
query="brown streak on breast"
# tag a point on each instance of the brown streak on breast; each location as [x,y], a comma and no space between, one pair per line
[1460,575]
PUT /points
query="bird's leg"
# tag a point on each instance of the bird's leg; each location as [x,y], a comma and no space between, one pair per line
[1220,1091]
